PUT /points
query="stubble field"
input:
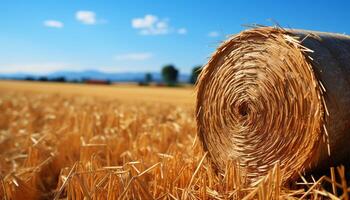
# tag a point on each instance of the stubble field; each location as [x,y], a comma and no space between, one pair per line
[64,141]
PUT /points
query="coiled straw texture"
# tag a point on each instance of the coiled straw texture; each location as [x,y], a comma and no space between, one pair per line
[271,95]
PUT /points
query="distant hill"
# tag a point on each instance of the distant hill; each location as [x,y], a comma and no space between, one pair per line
[94,74]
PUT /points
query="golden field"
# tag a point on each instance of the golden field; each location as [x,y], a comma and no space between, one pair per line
[72,141]
[123,92]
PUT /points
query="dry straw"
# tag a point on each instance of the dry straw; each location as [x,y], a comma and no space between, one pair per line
[66,147]
[272,95]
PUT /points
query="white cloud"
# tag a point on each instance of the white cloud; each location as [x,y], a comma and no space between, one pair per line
[162,25]
[151,25]
[53,24]
[86,17]
[214,34]
[133,56]
[182,31]
[33,68]
[146,22]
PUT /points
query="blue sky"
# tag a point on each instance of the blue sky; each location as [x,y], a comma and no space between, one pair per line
[141,35]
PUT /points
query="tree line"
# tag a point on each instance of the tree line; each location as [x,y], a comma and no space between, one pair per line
[170,75]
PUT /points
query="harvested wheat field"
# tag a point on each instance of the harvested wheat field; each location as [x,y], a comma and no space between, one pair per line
[62,141]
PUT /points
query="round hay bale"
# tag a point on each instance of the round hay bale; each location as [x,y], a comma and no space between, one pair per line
[272,95]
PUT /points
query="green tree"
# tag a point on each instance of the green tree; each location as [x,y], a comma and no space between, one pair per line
[169,75]
[148,78]
[195,73]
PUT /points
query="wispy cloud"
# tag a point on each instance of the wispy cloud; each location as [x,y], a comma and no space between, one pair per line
[127,69]
[214,34]
[53,24]
[151,25]
[182,31]
[133,56]
[86,17]
[34,68]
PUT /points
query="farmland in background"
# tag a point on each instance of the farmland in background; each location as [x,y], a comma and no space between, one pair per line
[116,142]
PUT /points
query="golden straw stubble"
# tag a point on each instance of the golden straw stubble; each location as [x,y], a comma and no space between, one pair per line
[263,98]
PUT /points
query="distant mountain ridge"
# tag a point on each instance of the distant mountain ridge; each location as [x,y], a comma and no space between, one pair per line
[95,74]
